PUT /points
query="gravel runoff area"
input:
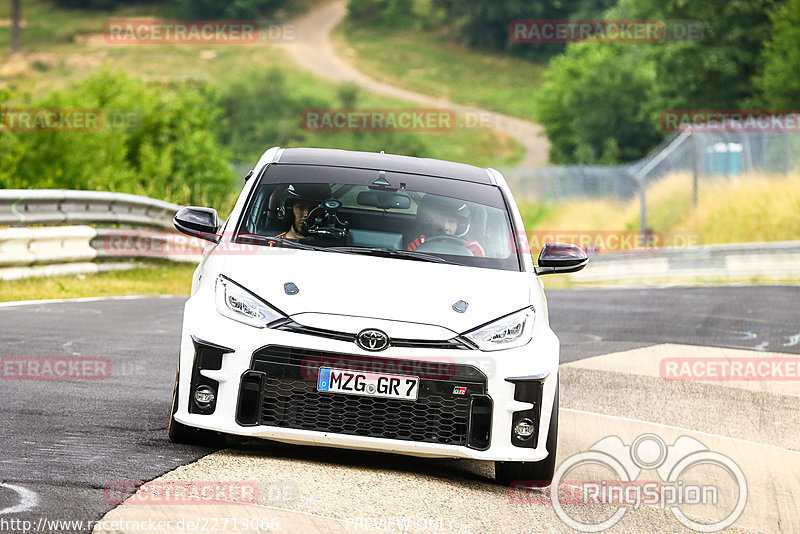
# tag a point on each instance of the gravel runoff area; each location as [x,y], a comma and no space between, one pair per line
[380,492]
[354,491]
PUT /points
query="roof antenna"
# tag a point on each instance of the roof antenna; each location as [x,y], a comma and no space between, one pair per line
[383,153]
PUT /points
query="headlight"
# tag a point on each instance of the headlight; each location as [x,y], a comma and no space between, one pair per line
[237,303]
[507,332]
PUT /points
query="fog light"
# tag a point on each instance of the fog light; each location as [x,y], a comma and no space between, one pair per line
[524,429]
[204,396]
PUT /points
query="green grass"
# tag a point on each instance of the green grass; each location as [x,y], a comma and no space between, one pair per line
[147,279]
[432,64]
[46,24]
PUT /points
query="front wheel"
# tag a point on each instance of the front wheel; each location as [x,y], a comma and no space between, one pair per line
[533,474]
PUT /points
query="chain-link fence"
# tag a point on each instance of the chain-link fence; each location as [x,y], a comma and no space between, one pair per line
[703,154]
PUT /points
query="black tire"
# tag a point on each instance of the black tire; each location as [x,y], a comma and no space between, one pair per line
[187,435]
[533,474]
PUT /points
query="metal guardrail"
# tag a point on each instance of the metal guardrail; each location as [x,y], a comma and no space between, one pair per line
[144,230]
[27,252]
[778,260]
[31,207]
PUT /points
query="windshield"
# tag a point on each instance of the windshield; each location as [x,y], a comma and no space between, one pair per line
[374,212]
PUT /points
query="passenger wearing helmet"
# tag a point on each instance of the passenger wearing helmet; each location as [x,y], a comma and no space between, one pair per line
[299,200]
[441,216]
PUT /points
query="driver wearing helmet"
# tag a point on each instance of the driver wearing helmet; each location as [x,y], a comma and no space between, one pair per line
[441,216]
[299,200]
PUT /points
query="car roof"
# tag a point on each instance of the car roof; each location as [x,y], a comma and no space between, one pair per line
[384,162]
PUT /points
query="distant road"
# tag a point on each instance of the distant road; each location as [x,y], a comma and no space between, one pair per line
[314,52]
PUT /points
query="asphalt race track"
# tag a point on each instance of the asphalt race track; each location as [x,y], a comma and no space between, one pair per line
[65,441]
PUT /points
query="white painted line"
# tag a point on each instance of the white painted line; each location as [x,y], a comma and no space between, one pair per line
[28,499]
[84,299]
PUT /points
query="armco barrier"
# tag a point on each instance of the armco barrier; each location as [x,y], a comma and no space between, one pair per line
[38,243]
[26,252]
[29,207]
[777,260]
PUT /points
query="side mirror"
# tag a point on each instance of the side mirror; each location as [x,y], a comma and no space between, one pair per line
[198,222]
[557,258]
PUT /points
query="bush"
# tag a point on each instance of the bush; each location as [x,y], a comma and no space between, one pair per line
[593,105]
[167,150]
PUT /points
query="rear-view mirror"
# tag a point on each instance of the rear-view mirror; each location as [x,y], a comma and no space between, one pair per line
[384,200]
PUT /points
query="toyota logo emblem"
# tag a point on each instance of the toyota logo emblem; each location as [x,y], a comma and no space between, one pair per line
[372,340]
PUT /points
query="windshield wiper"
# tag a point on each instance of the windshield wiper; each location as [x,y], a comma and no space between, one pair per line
[280,241]
[388,253]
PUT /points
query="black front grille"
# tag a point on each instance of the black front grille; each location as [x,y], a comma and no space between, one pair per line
[289,399]
[297,404]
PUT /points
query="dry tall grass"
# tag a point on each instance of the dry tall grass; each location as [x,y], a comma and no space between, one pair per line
[737,209]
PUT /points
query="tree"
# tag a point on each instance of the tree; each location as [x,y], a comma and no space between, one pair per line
[716,71]
[484,23]
[779,83]
[592,104]
[596,93]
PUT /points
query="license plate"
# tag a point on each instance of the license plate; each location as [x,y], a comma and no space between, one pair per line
[369,384]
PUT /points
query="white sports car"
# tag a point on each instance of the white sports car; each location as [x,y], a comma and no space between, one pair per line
[376,302]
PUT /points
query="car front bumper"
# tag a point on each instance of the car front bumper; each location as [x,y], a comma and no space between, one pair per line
[528,372]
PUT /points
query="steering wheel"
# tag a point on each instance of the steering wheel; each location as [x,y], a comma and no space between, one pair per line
[333,226]
[450,241]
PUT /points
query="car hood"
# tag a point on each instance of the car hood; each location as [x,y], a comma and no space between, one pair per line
[380,288]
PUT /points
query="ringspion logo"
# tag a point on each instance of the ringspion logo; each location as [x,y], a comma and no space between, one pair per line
[687,477]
